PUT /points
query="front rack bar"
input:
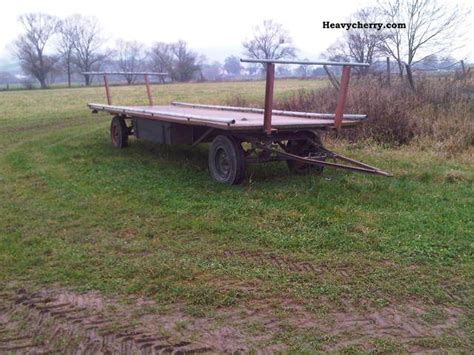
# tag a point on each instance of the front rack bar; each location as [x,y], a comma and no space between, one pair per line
[107,87]
[123,73]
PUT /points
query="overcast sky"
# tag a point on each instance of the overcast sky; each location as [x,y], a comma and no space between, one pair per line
[215,28]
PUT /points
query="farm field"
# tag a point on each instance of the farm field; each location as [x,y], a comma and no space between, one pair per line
[103,248]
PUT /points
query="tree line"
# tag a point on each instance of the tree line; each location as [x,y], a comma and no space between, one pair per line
[50,46]
[77,44]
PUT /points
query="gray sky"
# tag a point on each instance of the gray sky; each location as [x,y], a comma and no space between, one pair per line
[215,28]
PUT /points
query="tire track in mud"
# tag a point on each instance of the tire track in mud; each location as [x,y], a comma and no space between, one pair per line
[42,322]
[55,320]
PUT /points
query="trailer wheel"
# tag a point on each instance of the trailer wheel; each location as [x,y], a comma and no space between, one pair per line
[119,132]
[226,160]
[304,148]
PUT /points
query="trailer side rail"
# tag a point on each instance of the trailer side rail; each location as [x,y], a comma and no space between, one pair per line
[329,116]
[124,110]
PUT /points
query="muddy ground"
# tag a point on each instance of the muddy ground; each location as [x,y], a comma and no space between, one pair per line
[61,321]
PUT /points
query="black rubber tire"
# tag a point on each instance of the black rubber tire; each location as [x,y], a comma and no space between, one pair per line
[226,160]
[302,148]
[119,132]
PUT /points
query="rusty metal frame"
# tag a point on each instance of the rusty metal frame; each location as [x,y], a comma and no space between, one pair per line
[107,90]
[148,89]
[271,141]
[341,99]
[357,165]
[270,82]
[265,143]
[108,93]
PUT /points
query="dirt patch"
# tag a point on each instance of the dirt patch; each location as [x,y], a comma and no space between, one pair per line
[401,324]
[58,320]
[61,321]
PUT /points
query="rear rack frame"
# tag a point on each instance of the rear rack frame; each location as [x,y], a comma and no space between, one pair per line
[270,83]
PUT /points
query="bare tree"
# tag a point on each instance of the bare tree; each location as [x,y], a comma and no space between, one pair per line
[270,41]
[67,31]
[160,57]
[88,45]
[185,62]
[232,65]
[129,58]
[31,47]
[360,44]
[430,28]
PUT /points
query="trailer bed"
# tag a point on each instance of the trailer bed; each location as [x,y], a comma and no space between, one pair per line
[225,117]
[268,134]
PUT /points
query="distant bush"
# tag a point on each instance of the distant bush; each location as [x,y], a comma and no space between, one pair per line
[27,84]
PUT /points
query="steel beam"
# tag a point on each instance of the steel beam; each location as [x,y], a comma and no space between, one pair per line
[341,99]
[148,90]
[299,62]
[107,90]
[122,73]
[328,116]
[267,114]
[305,160]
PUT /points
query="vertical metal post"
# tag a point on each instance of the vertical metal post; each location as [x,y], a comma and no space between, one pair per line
[107,90]
[341,99]
[148,90]
[267,115]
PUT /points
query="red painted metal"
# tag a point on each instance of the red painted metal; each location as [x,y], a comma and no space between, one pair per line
[267,115]
[107,90]
[341,99]
[148,90]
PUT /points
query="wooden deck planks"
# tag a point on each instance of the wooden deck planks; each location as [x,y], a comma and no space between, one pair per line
[229,120]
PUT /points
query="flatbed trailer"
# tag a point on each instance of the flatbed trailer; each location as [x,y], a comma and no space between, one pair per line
[239,135]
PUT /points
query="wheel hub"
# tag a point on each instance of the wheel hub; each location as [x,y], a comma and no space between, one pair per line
[222,163]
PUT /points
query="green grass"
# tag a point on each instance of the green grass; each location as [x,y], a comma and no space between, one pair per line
[148,220]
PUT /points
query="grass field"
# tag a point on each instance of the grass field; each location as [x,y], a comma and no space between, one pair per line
[341,261]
